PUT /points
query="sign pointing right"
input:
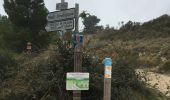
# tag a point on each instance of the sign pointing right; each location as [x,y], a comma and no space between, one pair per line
[58,26]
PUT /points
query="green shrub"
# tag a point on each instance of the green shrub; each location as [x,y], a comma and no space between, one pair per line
[165,67]
[7,64]
[62,62]
[16,39]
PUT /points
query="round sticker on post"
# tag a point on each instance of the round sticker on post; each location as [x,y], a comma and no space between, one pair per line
[78,38]
[108,62]
[81,39]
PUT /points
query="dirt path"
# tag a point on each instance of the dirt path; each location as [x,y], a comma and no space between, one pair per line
[158,81]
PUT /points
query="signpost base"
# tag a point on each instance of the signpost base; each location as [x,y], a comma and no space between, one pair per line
[76,95]
[107,89]
[107,78]
[77,68]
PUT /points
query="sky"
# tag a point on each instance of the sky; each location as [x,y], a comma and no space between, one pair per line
[112,12]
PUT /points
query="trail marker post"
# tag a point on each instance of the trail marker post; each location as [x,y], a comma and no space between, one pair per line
[107,78]
[29,47]
[67,19]
[62,19]
[61,6]
[77,53]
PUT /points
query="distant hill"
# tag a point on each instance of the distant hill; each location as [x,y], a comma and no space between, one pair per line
[159,27]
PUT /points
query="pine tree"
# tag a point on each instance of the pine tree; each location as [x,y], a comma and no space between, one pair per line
[29,14]
[28,18]
[90,22]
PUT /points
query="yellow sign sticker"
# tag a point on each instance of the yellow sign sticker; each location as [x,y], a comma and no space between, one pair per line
[108,72]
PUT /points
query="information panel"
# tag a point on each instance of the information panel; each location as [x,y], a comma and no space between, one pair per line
[77,81]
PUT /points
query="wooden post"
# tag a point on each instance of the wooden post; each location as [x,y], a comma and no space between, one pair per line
[62,1]
[77,68]
[77,53]
[107,78]
[76,18]
[107,89]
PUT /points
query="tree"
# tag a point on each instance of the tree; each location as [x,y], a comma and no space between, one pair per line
[3,19]
[27,13]
[90,22]
[28,18]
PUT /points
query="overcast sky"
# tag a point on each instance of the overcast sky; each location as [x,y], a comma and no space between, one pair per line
[113,11]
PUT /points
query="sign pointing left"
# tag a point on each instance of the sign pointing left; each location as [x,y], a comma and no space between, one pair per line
[61,15]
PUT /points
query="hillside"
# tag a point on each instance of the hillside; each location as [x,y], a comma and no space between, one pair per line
[156,28]
[139,51]
[147,43]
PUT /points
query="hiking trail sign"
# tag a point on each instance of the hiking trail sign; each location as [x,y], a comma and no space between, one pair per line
[107,78]
[57,26]
[62,6]
[61,15]
[61,20]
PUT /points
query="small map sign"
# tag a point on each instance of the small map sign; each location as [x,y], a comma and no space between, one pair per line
[61,15]
[57,26]
[77,81]
[61,6]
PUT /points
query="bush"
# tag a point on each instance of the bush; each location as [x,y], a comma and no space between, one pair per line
[125,81]
[7,64]
[43,77]
[61,62]
[17,39]
[165,67]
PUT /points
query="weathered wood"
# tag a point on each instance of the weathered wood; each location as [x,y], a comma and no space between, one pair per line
[107,78]
[107,89]
[77,53]
[78,58]
[62,1]
[77,68]
[77,18]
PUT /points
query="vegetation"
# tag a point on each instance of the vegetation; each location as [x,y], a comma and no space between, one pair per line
[27,21]
[165,67]
[8,65]
[156,28]
[42,75]
[90,22]
[27,14]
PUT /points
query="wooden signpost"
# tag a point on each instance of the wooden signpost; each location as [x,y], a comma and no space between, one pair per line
[64,20]
[58,26]
[67,19]
[61,15]
[77,68]
[107,78]
[61,6]
[77,53]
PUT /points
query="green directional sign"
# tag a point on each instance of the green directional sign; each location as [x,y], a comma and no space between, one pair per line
[77,81]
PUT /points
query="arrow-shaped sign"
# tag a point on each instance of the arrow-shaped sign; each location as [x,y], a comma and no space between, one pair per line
[61,15]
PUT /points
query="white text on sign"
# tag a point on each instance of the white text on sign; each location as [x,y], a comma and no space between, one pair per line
[57,26]
[61,15]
